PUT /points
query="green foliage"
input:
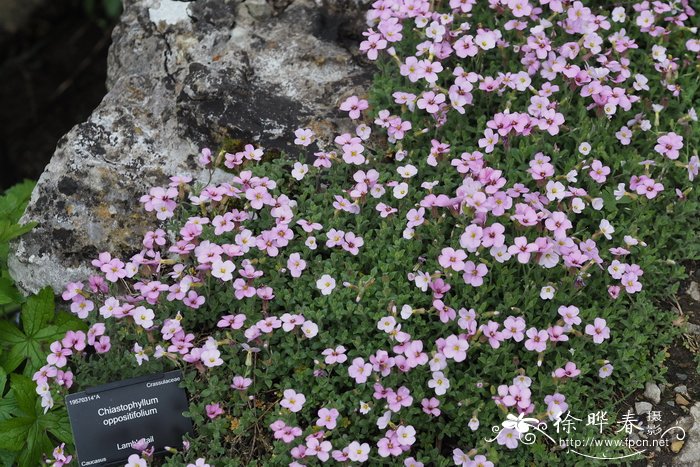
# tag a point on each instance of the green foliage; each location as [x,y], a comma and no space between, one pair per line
[29,326]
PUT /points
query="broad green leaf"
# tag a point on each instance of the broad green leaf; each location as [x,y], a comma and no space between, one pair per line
[8,292]
[58,424]
[8,231]
[10,334]
[50,333]
[14,358]
[14,432]
[37,444]
[14,201]
[3,381]
[8,407]
[24,391]
[7,458]
[38,311]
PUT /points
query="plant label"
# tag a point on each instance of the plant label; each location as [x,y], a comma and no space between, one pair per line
[108,420]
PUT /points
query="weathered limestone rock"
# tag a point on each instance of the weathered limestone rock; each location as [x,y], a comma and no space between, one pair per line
[183,75]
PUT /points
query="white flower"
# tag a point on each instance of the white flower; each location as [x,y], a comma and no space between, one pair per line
[406,311]
[211,358]
[139,354]
[547,292]
[358,452]
[439,383]
[223,270]
[364,408]
[555,190]
[618,14]
[401,190]
[620,191]
[606,229]
[384,420]
[310,329]
[407,171]
[571,176]
[406,435]
[311,243]
[143,316]
[597,203]
[135,460]
[47,401]
[325,284]
[577,205]
[299,170]
[584,148]
[386,324]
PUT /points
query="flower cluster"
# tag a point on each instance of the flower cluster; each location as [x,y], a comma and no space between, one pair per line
[481,223]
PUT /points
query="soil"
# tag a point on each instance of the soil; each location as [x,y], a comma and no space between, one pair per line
[682,370]
[52,75]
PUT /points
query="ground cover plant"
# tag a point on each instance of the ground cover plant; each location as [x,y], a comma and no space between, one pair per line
[491,241]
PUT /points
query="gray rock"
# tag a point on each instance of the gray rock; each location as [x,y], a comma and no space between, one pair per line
[682,376]
[181,77]
[694,291]
[652,392]
[642,408]
[690,453]
[681,389]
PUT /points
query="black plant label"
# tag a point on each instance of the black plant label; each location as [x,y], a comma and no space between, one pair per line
[108,420]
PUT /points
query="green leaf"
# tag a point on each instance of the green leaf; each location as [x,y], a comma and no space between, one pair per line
[3,381]
[38,311]
[37,444]
[7,458]
[8,292]
[14,432]
[24,391]
[10,334]
[58,424]
[8,408]
[15,199]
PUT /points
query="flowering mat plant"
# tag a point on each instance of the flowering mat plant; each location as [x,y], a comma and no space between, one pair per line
[490,242]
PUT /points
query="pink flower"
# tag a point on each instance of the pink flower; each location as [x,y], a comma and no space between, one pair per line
[570,315]
[451,258]
[304,136]
[569,371]
[599,330]
[295,264]
[599,172]
[522,248]
[336,355]
[430,102]
[490,331]
[359,370]
[354,106]
[103,345]
[292,400]
[669,144]
[320,449]
[430,406]
[473,274]
[214,410]
[513,328]
[456,348]
[76,340]
[58,355]
[81,306]
[537,341]
[327,418]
